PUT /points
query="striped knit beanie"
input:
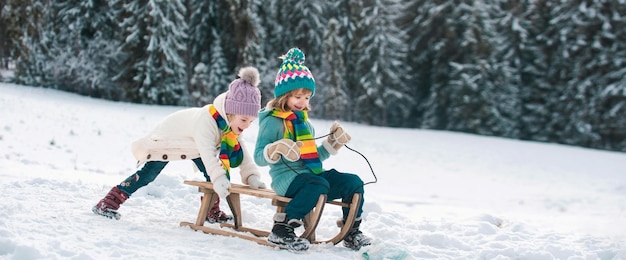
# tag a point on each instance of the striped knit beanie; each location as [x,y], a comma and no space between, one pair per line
[292,74]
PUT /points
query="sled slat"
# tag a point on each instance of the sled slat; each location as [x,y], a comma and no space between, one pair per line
[239,230]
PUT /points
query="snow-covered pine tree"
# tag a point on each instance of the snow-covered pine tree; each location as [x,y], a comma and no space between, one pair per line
[219,73]
[164,76]
[199,85]
[302,25]
[132,47]
[469,70]
[34,22]
[243,27]
[484,85]
[610,98]
[7,33]
[571,113]
[528,24]
[254,52]
[380,54]
[154,70]
[334,96]
[84,50]
[598,84]
[432,45]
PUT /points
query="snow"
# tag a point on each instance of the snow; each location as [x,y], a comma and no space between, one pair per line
[438,195]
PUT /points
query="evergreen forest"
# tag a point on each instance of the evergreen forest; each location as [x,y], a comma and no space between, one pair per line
[542,70]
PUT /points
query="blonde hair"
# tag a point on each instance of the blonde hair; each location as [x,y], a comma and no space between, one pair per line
[280,103]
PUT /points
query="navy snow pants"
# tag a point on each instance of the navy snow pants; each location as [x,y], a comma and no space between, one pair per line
[306,189]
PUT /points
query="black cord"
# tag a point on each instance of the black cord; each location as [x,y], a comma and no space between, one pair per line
[368,164]
[365,158]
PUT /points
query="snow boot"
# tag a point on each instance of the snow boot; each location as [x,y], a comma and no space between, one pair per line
[283,234]
[108,205]
[216,215]
[355,238]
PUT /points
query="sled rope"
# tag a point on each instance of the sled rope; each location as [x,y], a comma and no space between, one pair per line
[357,152]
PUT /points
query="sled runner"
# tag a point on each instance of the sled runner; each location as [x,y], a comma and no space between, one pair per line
[237,229]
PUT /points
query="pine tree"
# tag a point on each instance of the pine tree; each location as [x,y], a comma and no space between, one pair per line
[336,101]
[380,66]
[570,119]
[254,53]
[34,23]
[599,75]
[6,42]
[468,70]
[531,21]
[334,94]
[288,24]
[201,16]
[497,73]
[269,40]
[415,23]
[303,24]
[154,71]
[132,47]
[243,30]
[219,73]
[84,49]
[436,34]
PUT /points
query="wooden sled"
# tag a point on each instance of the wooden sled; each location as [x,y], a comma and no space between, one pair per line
[237,229]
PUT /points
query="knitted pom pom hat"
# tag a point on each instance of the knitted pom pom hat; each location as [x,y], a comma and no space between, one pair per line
[292,74]
[243,96]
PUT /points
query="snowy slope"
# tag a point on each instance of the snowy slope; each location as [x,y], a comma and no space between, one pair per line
[439,195]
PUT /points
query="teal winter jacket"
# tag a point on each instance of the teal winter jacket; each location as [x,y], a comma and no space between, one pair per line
[272,129]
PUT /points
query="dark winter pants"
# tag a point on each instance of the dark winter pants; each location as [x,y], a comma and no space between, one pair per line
[306,189]
[148,173]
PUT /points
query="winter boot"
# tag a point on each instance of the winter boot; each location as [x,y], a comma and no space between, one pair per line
[355,238]
[283,234]
[110,203]
[216,215]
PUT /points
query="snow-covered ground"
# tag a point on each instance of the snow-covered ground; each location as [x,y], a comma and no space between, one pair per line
[439,195]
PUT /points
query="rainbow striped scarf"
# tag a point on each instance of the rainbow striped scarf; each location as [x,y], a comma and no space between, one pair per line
[295,124]
[230,150]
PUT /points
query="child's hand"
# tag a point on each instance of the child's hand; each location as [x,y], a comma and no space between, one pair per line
[338,137]
[255,182]
[221,185]
[286,148]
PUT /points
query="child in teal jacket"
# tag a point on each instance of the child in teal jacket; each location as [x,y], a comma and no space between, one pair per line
[285,143]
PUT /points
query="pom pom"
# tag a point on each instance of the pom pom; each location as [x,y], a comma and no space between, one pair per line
[294,55]
[250,75]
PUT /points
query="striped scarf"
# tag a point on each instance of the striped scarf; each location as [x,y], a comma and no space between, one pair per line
[295,124]
[230,150]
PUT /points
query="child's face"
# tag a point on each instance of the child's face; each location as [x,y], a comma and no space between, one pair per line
[238,123]
[299,100]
